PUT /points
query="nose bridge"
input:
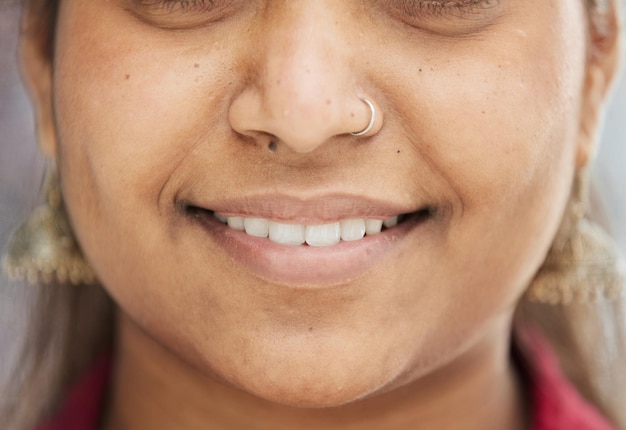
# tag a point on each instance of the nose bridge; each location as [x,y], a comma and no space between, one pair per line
[304,79]
[299,59]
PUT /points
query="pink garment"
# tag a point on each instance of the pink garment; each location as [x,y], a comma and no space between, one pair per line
[555,402]
[83,405]
[556,405]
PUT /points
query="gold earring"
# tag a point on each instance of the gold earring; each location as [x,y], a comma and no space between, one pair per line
[43,249]
[584,263]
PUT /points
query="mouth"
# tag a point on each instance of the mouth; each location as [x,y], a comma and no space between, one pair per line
[317,235]
[311,248]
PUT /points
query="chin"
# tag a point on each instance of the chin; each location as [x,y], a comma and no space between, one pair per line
[306,393]
[314,380]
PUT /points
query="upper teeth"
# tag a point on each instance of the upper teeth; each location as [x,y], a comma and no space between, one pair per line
[313,235]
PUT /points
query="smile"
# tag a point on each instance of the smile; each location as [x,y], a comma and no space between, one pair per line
[309,243]
[320,235]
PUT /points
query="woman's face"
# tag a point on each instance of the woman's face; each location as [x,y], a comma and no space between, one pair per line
[165,110]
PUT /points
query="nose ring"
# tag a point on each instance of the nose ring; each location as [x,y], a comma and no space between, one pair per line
[372,118]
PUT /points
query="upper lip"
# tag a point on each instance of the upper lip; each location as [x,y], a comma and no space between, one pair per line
[314,210]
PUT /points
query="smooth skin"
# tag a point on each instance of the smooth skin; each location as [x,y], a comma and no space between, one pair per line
[485,114]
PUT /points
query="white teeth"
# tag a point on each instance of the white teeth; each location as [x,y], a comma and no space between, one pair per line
[286,234]
[313,235]
[391,222]
[373,226]
[235,222]
[352,229]
[323,235]
[257,227]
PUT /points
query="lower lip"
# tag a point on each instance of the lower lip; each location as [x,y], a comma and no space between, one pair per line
[307,266]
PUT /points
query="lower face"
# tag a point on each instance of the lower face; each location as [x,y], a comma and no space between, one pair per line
[477,149]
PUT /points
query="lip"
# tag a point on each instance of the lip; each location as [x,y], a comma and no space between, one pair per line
[306,266]
[305,210]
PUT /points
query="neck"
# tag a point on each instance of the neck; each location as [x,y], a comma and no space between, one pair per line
[154,389]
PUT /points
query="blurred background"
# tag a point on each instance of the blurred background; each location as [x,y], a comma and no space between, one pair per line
[21,169]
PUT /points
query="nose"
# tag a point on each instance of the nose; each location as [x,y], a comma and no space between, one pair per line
[304,87]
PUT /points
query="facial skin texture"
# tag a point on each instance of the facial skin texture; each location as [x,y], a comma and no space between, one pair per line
[480,119]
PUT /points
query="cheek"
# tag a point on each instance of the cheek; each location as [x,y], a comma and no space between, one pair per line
[496,121]
[500,126]
[497,118]
[133,104]
[127,117]
[495,112]
[131,110]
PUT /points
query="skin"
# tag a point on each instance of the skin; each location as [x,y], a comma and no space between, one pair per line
[485,117]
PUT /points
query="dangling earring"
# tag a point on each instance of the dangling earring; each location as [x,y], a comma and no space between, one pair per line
[43,249]
[584,263]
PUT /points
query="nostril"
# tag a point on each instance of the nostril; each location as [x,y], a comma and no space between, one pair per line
[303,121]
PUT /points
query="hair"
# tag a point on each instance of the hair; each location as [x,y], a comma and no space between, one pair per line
[71,325]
